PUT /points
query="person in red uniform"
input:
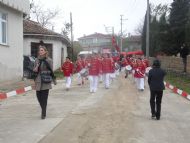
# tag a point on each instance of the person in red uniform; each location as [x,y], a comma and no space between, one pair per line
[94,70]
[106,70]
[79,67]
[139,75]
[100,58]
[134,66]
[67,69]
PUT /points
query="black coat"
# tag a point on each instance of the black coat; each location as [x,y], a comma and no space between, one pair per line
[156,79]
[184,52]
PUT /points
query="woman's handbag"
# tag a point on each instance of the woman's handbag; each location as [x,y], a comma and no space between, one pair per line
[48,76]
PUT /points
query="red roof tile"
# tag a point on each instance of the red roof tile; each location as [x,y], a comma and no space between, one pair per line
[32,27]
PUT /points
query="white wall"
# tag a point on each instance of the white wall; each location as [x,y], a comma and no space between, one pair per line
[20,5]
[57,46]
[11,55]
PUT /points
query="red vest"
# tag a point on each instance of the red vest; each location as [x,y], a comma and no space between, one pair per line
[67,68]
[139,71]
[106,65]
[94,67]
[145,62]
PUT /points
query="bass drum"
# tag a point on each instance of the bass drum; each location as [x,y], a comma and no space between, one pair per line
[84,72]
[128,68]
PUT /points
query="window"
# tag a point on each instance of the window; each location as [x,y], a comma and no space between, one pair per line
[3,28]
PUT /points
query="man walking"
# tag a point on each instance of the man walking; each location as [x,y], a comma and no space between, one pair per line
[156,83]
[184,51]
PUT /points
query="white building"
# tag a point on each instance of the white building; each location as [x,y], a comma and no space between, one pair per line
[96,42]
[57,44]
[11,38]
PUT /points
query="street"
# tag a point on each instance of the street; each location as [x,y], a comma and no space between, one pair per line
[120,114]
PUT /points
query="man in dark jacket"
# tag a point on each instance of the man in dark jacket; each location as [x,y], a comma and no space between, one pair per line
[156,84]
[184,52]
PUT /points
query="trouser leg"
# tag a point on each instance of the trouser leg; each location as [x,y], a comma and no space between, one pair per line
[152,102]
[158,103]
[68,82]
[141,83]
[91,83]
[39,96]
[95,83]
[107,80]
[42,98]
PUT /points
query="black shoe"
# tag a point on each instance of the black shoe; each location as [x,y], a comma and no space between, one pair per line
[157,118]
[153,116]
[43,117]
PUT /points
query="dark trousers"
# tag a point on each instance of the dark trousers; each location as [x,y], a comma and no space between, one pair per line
[184,64]
[42,97]
[155,102]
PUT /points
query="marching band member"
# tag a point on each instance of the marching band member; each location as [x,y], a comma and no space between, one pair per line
[100,58]
[94,70]
[139,75]
[146,64]
[145,61]
[79,67]
[67,69]
[112,73]
[134,66]
[106,69]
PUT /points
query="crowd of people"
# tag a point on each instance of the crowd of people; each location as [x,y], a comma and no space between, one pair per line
[103,68]
[98,68]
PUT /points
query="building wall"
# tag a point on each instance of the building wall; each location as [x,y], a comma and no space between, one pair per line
[95,44]
[20,5]
[11,55]
[57,49]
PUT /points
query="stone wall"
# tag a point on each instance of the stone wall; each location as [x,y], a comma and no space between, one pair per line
[172,63]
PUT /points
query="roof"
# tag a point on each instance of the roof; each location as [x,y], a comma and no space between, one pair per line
[32,28]
[95,35]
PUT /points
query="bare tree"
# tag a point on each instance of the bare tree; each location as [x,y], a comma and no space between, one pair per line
[42,16]
[139,28]
[66,29]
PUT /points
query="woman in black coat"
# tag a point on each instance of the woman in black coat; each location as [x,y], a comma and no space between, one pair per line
[156,84]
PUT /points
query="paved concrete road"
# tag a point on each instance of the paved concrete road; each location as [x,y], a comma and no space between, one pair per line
[118,115]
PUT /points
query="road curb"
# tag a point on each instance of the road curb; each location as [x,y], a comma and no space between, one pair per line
[15,92]
[177,91]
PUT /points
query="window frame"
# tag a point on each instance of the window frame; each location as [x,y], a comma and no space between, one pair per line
[5,21]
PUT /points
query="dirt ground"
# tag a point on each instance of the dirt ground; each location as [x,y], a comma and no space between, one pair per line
[120,114]
[108,122]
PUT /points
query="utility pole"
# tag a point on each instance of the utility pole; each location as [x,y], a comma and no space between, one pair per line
[71,24]
[121,32]
[147,29]
[109,30]
[112,30]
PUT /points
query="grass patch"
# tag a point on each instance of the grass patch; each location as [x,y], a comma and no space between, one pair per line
[59,74]
[179,80]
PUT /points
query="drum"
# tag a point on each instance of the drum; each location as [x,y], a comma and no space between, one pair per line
[84,72]
[128,68]
[117,66]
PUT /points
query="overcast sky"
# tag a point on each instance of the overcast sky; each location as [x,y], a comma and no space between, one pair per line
[90,16]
